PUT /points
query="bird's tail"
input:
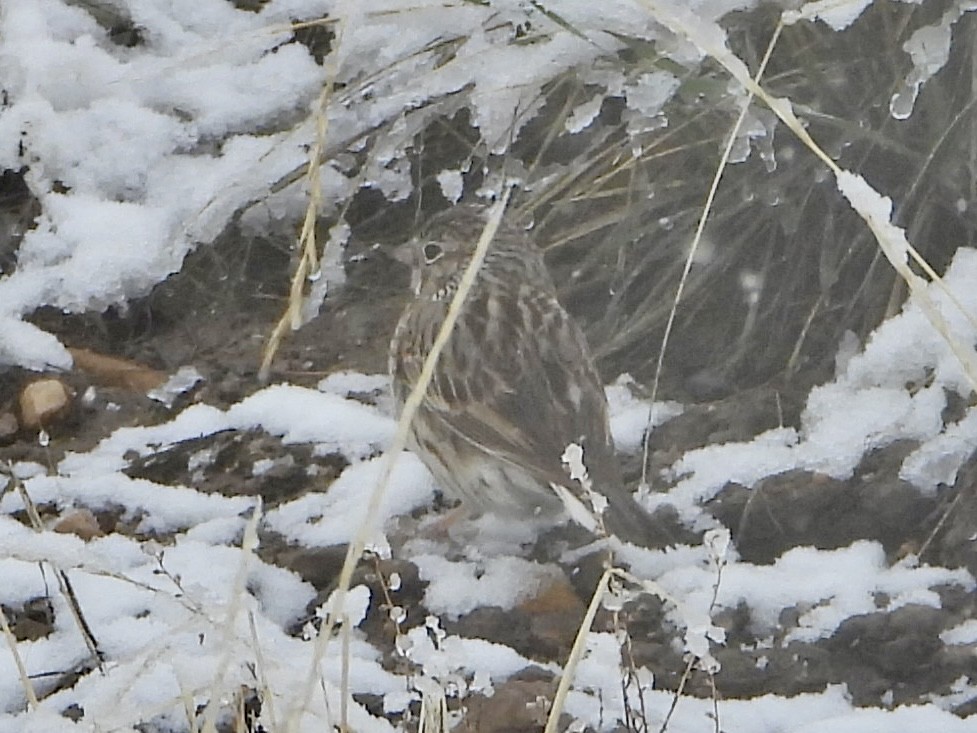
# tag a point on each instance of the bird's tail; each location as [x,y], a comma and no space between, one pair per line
[630,522]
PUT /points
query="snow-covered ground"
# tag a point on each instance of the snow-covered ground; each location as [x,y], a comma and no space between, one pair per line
[138,155]
[175,619]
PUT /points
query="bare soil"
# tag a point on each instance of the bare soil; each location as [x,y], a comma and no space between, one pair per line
[216,315]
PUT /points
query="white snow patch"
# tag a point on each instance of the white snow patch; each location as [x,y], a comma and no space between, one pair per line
[333,517]
[894,389]
[835,584]
[630,416]
[837,15]
[965,633]
[452,185]
[345,383]
[459,587]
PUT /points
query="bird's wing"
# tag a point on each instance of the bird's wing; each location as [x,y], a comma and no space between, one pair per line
[520,395]
[524,394]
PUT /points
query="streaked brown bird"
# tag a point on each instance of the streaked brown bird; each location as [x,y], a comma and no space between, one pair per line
[515,385]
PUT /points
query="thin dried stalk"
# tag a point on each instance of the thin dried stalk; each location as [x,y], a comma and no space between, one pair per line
[411,406]
[309,251]
[64,584]
[706,210]
[18,662]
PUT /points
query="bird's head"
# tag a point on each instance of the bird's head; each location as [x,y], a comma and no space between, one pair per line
[440,253]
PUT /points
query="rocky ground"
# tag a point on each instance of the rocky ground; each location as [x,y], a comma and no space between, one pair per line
[216,316]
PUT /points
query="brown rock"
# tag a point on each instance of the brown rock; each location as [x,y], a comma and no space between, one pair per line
[81,523]
[43,402]
[516,705]
[8,427]
[115,372]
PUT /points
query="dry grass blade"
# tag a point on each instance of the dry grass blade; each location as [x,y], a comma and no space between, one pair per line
[576,652]
[411,405]
[309,255]
[64,584]
[248,546]
[18,662]
[434,710]
[268,698]
[344,688]
[580,641]
[871,206]
[706,209]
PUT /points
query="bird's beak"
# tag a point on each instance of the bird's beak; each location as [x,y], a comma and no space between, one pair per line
[405,254]
[408,254]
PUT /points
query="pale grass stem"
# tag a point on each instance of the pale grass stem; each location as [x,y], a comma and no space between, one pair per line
[248,545]
[576,652]
[18,662]
[267,696]
[309,258]
[64,584]
[693,248]
[411,405]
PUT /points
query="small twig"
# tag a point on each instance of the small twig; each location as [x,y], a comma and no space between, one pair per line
[720,562]
[64,585]
[248,545]
[693,249]
[632,669]
[576,652]
[267,695]
[21,669]
[939,525]
[68,591]
[715,701]
[182,596]
[388,604]
[678,693]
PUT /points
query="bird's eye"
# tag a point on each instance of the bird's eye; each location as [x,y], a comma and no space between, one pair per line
[432,252]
